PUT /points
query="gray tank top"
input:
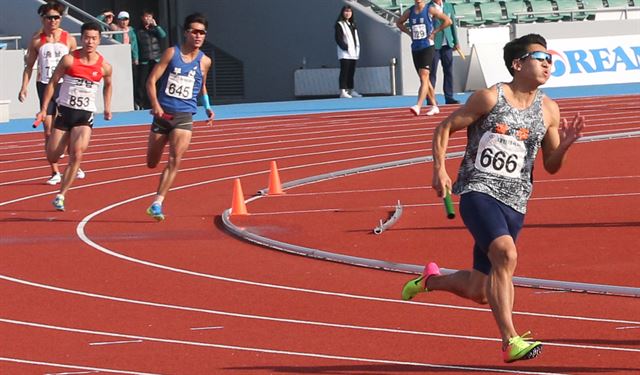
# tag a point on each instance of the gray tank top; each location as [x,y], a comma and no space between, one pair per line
[501,150]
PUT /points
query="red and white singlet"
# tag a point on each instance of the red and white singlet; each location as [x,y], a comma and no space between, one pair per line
[50,54]
[80,84]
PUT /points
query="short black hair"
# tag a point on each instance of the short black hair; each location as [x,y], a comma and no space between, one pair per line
[518,47]
[51,5]
[197,18]
[90,26]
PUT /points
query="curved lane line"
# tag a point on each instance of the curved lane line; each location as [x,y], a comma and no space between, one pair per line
[271,351]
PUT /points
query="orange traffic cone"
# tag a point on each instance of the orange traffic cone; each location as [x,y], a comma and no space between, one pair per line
[238,207]
[275,188]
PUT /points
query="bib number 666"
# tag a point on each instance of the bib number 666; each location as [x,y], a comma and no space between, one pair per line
[498,160]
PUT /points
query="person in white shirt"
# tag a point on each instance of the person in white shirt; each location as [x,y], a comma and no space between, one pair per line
[348,46]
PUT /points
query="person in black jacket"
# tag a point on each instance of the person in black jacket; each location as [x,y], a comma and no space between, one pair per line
[150,50]
[346,35]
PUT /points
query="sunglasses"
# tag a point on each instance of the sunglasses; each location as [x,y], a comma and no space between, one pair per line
[538,55]
[197,32]
[52,18]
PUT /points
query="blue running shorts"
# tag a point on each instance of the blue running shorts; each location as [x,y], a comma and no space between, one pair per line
[487,219]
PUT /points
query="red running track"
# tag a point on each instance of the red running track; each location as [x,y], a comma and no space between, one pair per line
[101,288]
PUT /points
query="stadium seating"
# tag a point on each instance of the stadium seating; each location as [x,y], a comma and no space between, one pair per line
[518,6]
[566,6]
[467,15]
[618,3]
[546,7]
[471,13]
[492,13]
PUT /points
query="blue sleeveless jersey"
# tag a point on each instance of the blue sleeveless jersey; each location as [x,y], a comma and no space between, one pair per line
[181,84]
[421,25]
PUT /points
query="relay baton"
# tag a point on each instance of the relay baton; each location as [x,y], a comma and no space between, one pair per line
[448,206]
[36,123]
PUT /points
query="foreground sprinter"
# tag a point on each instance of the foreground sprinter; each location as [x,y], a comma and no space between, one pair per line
[506,125]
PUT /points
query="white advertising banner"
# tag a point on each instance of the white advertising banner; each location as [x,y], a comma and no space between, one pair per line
[594,61]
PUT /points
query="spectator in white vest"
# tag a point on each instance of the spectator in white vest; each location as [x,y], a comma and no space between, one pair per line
[346,35]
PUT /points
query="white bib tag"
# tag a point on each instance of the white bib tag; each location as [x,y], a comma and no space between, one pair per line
[419,31]
[82,95]
[501,155]
[48,67]
[180,87]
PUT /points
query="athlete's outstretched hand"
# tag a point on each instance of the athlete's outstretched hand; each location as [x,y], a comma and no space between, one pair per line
[569,133]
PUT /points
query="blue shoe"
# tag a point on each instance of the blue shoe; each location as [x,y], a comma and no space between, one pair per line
[155,211]
[58,202]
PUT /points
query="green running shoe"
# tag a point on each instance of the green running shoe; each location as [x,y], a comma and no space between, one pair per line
[520,348]
[418,285]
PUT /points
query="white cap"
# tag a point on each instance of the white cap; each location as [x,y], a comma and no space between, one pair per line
[123,14]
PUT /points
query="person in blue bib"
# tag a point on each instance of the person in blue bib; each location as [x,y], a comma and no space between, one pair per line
[422,32]
[182,71]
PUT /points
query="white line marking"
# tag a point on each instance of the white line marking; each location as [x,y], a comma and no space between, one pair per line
[205,328]
[630,327]
[94,369]
[270,351]
[114,342]
[306,322]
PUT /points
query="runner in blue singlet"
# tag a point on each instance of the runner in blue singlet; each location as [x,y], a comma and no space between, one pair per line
[422,32]
[182,71]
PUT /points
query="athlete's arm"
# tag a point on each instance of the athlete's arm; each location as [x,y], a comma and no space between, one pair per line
[400,22]
[73,44]
[30,60]
[445,21]
[107,89]
[156,73]
[205,66]
[58,73]
[560,135]
[478,105]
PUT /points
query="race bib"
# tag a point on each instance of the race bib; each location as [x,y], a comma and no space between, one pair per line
[82,95]
[180,87]
[501,155]
[48,68]
[419,31]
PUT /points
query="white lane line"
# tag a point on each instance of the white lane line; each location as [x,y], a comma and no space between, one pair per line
[629,327]
[305,322]
[114,342]
[205,328]
[81,234]
[64,365]
[266,350]
[213,166]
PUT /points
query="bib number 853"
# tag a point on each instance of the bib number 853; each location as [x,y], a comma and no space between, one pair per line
[78,101]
